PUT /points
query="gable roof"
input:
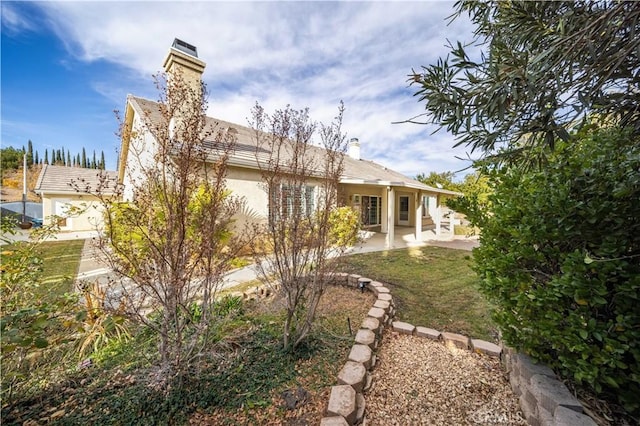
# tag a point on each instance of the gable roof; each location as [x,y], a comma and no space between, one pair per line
[247,154]
[62,180]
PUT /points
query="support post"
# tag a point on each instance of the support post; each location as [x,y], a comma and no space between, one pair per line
[390,217]
[419,216]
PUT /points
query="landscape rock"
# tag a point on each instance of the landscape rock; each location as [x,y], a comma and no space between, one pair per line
[339,278]
[372,324]
[353,374]
[457,339]
[353,280]
[527,368]
[366,337]
[361,404]
[529,411]
[342,402]
[564,416]
[429,333]
[484,347]
[551,393]
[333,421]
[382,305]
[386,297]
[361,354]
[377,313]
[403,327]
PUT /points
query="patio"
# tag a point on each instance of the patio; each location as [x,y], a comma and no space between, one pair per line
[404,236]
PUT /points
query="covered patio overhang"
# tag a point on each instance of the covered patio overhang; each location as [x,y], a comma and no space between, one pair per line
[398,205]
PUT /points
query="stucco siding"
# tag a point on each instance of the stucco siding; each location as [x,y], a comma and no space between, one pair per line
[88,218]
[142,149]
[247,184]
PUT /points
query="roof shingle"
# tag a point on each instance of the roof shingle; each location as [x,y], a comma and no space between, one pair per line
[245,153]
[61,179]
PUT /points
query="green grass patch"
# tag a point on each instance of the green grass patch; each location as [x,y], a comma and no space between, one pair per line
[432,286]
[60,263]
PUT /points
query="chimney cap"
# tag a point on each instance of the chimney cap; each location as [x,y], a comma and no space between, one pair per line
[185,47]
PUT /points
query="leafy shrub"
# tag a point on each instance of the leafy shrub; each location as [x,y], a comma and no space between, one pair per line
[36,320]
[345,224]
[228,305]
[560,258]
[99,326]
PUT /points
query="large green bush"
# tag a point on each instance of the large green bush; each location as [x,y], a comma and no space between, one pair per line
[344,223]
[560,257]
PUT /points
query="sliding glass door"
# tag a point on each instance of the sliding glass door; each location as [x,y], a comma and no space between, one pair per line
[371,210]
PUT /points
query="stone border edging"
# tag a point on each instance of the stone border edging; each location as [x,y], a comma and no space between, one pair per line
[544,400]
[346,404]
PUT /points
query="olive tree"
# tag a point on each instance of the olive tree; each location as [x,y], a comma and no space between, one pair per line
[541,69]
[551,101]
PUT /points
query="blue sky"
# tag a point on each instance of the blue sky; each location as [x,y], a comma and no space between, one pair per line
[67,66]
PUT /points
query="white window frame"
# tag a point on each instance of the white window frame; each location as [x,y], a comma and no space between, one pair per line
[285,194]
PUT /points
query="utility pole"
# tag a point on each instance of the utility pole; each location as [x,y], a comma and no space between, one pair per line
[24,188]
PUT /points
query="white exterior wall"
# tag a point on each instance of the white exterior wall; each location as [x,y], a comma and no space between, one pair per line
[90,219]
[247,183]
[142,150]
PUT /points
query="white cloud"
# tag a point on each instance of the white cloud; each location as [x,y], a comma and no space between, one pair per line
[13,21]
[300,53]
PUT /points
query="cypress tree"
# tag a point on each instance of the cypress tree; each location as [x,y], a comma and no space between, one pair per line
[68,159]
[84,158]
[94,164]
[46,156]
[78,160]
[102,162]
[37,160]
[30,153]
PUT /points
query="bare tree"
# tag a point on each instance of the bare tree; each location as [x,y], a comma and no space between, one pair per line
[302,185]
[172,244]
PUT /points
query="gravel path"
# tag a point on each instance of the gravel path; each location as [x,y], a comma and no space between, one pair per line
[417,381]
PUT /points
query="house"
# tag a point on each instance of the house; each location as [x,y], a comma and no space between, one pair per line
[385,199]
[67,196]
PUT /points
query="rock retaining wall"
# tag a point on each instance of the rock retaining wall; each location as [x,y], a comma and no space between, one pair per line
[544,400]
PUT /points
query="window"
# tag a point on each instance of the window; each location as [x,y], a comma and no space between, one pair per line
[61,212]
[425,206]
[291,202]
